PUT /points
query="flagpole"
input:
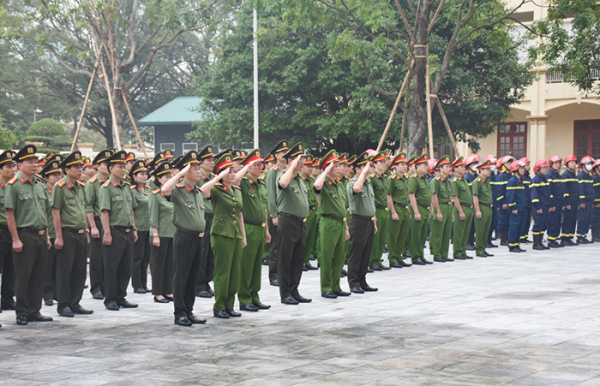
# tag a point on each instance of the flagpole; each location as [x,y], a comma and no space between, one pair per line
[255,76]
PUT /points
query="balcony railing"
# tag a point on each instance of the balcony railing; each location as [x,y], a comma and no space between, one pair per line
[555,76]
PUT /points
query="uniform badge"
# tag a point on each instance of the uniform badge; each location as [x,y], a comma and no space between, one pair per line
[188,188]
[114,184]
[22,180]
[2,185]
[49,191]
[69,185]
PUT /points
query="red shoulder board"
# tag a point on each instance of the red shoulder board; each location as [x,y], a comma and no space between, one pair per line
[156,191]
[179,185]
[2,185]
[81,183]
[61,183]
[94,180]
[114,184]
[106,184]
[262,177]
[12,181]
[133,187]
[188,188]
[22,180]
[218,184]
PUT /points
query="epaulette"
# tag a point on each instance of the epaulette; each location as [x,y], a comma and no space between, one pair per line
[106,184]
[132,187]
[262,177]
[480,179]
[276,167]
[81,183]
[355,179]
[61,183]
[438,178]
[93,180]
[179,185]
[245,178]
[236,187]
[218,184]
[128,183]
[156,191]
[152,178]
[12,181]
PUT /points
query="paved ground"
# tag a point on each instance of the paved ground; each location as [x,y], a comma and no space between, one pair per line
[515,319]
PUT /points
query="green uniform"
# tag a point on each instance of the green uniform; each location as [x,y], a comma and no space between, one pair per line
[382,214]
[419,186]
[332,228]
[361,228]
[188,216]
[461,190]
[440,230]
[150,183]
[226,240]
[50,287]
[6,260]
[263,178]
[292,207]
[116,198]
[346,243]
[397,188]
[206,271]
[71,264]
[483,190]
[141,248]
[92,205]
[311,220]
[29,202]
[161,258]
[255,222]
[272,193]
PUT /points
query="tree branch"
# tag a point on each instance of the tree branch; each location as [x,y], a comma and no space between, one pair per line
[375,86]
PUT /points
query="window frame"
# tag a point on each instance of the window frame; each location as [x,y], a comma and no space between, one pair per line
[167,146]
[511,134]
[589,132]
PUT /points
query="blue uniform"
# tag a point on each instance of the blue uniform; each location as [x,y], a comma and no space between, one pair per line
[526,224]
[540,200]
[570,198]
[501,184]
[516,199]
[470,177]
[492,178]
[557,191]
[586,196]
[596,215]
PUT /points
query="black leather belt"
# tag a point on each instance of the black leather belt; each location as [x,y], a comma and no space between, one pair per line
[487,205]
[301,219]
[423,206]
[444,203]
[209,215]
[256,224]
[465,204]
[122,229]
[336,218]
[74,230]
[4,227]
[381,207]
[190,232]
[366,218]
[36,231]
[400,205]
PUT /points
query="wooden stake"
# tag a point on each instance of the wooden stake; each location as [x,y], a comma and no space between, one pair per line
[85,102]
[404,118]
[137,134]
[439,105]
[389,123]
[429,122]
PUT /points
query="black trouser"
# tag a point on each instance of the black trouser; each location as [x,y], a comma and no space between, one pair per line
[71,269]
[273,251]
[30,273]
[361,241]
[291,255]
[50,288]
[141,259]
[117,265]
[187,254]
[206,272]
[6,267]
[96,260]
[161,267]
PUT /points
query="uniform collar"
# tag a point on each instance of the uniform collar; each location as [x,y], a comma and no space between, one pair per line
[330,181]
[121,184]
[22,179]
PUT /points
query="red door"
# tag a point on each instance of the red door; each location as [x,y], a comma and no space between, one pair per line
[587,139]
[512,139]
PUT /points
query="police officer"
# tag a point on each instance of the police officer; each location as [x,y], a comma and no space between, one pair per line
[50,174]
[540,199]
[157,160]
[140,193]
[363,224]
[206,272]
[596,214]
[419,194]
[312,219]
[238,157]
[254,211]
[188,217]
[570,201]
[377,180]
[586,199]
[292,210]
[162,230]
[129,161]
[441,190]
[501,183]
[516,200]
[26,204]
[332,226]
[397,198]
[92,211]
[7,172]
[556,201]
[68,209]
[484,205]
[471,164]
[463,210]
[119,233]
[492,179]
[526,224]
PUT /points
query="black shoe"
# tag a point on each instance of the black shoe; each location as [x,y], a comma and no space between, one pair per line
[329,295]
[538,247]
[304,268]
[81,311]
[482,254]
[139,290]
[369,270]
[407,255]
[357,290]
[583,240]
[368,288]
[125,304]
[265,262]
[183,321]
[426,261]
[275,283]
[169,298]
[289,300]
[97,295]
[8,306]
[341,293]
[376,267]
[309,267]
[261,306]
[203,294]
[419,262]
[460,257]
[490,245]
[49,302]
[447,259]
[488,254]
[195,320]
[40,318]
[395,264]
[467,257]
[515,250]
[249,307]
[439,260]
[525,241]
[344,273]
[66,312]
[312,258]
[402,263]
[231,312]
[22,320]
[553,244]
[301,299]
[470,247]
[147,289]
[112,306]
[383,267]
[163,300]
[521,249]
[221,314]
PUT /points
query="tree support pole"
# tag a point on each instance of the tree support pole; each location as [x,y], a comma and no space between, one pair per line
[389,123]
[439,105]
[137,134]
[85,102]
[429,121]
[404,118]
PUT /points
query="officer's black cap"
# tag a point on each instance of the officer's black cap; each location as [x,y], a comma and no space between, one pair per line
[222,153]
[6,156]
[158,158]
[294,151]
[51,167]
[118,157]
[176,161]
[190,157]
[163,168]
[238,155]
[28,151]
[102,156]
[138,166]
[281,146]
[360,160]
[206,152]
[70,160]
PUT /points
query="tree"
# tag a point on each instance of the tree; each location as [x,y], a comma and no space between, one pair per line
[51,133]
[7,138]
[571,47]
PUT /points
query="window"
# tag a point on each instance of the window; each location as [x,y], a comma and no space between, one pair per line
[512,139]
[189,147]
[587,139]
[165,146]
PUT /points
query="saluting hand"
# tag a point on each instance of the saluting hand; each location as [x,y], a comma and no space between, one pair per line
[515,212]
[184,170]
[223,173]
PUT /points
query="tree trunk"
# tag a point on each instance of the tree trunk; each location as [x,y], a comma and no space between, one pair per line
[119,111]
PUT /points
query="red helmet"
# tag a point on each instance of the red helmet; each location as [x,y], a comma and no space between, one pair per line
[431,164]
[586,160]
[506,159]
[525,160]
[490,157]
[570,158]
[472,159]
[540,164]
[516,165]
[597,163]
[554,159]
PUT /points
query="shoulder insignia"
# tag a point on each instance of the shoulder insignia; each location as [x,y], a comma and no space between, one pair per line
[81,183]
[93,180]
[132,187]
[156,191]
[152,178]
[2,185]
[203,177]
[251,181]
[262,177]
[106,184]
[179,185]
[61,183]
[69,186]
[218,184]
[100,180]
[114,184]
[22,180]
[128,183]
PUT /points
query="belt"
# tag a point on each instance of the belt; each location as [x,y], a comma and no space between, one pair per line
[4,227]
[381,207]
[358,216]
[465,204]
[256,224]
[73,230]
[336,218]
[301,219]
[400,205]
[423,206]
[190,232]
[444,203]
[122,229]
[209,215]
[488,205]
[36,231]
